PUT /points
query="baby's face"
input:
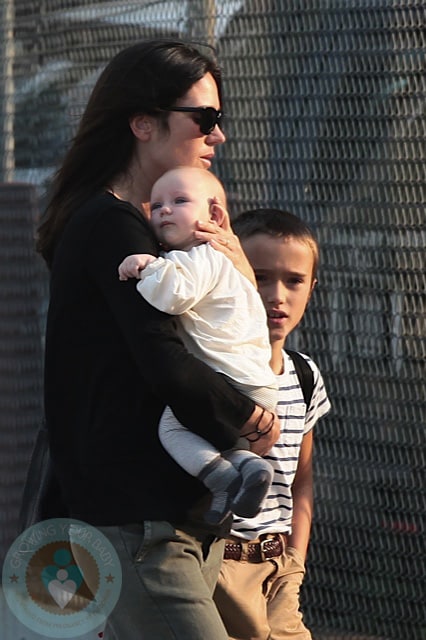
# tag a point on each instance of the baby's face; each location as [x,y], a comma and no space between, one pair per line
[177,202]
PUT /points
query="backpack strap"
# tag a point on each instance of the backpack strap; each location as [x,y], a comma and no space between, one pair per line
[305,375]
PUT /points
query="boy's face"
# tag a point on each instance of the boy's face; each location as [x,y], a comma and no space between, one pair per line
[283,269]
[177,202]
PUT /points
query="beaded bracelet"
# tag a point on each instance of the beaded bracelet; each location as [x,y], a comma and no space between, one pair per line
[257,431]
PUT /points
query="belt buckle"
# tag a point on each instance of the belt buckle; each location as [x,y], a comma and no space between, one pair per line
[262,549]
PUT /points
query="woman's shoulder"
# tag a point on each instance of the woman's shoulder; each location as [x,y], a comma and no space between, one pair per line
[105,221]
[104,203]
[103,213]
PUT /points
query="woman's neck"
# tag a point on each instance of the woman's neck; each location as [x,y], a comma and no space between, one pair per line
[131,189]
[143,207]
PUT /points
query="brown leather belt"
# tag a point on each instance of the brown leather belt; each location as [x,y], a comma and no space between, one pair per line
[254,551]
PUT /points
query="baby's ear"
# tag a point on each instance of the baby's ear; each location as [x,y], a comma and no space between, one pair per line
[218,213]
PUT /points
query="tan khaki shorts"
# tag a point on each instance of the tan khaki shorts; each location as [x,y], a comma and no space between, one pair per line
[260,601]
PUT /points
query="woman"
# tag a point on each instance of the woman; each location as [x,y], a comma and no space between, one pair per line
[155,106]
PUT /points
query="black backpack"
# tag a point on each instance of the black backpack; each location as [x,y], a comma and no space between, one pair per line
[305,375]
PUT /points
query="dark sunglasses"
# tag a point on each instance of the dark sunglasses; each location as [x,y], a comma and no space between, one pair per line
[207,117]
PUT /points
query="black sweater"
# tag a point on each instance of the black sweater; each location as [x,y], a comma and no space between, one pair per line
[112,363]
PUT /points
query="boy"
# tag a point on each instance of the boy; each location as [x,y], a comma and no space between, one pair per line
[258,589]
[224,323]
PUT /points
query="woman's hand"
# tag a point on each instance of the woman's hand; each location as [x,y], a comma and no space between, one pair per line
[223,239]
[262,430]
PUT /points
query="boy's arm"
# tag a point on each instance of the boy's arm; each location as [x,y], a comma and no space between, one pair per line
[302,490]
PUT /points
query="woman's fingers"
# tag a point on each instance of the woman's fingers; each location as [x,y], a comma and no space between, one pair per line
[212,232]
[266,434]
[227,243]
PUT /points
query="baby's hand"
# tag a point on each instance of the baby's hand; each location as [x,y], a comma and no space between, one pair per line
[132,265]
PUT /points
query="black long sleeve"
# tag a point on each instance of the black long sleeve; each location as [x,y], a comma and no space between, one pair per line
[112,363]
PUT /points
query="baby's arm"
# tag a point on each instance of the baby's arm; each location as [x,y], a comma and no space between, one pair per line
[132,265]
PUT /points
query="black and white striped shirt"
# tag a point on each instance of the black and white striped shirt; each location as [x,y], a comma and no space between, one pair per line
[296,421]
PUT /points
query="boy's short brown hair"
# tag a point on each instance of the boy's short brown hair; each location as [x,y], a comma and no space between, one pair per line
[277,223]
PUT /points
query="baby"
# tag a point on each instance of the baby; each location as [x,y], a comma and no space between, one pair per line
[223,322]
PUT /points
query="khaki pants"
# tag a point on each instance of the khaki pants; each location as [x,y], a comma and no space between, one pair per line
[168,580]
[260,601]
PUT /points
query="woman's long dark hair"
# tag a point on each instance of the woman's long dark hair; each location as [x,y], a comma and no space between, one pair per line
[140,79]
